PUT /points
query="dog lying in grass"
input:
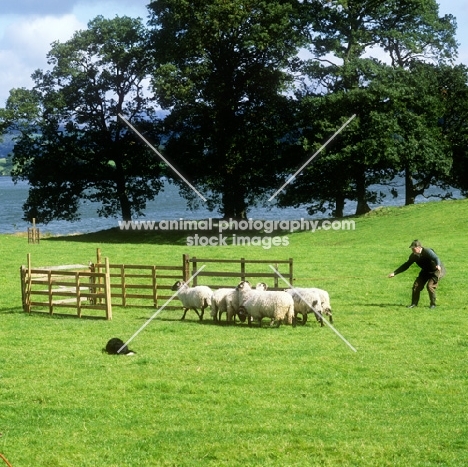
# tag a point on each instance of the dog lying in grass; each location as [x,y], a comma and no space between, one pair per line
[116,346]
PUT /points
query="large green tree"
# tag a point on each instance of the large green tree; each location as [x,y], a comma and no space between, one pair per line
[453,89]
[71,144]
[422,153]
[345,35]
[419,42]
[224,74]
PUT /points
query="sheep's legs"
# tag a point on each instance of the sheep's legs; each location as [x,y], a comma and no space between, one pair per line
[202,312]
[275,323]
[250,321]
[196,311]
[303,320]
[319,319]
[330,317]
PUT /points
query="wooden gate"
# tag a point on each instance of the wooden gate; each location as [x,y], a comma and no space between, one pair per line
[71,288]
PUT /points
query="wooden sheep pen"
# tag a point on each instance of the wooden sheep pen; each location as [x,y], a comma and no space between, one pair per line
[244,271]
[150,285]
[101,285]
[65,287]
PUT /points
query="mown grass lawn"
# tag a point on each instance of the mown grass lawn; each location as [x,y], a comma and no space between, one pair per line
[197,393]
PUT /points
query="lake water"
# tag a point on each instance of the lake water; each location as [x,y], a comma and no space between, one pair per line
[168,205]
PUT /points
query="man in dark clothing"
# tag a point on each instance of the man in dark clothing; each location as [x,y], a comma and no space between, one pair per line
[431,271]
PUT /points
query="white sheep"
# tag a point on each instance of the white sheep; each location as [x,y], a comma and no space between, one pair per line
[226,301]
[259,304]
[319,299]
[219,302]
[325,303]
[193,297]
[306,301]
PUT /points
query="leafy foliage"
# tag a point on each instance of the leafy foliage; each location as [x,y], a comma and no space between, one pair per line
[72,146]
[223,75]
[453,88]
[398,105]
[244,108]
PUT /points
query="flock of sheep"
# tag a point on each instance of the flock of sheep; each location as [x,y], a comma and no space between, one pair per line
[255,304]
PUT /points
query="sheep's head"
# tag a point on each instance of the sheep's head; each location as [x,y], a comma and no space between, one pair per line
[242,313]
[261,286]
[244,285]
[178,285]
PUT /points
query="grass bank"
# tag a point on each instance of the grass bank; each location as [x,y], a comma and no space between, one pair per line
[204,394]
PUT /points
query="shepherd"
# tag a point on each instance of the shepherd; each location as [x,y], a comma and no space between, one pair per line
[432,270]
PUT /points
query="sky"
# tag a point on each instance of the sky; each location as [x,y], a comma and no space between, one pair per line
[28,27]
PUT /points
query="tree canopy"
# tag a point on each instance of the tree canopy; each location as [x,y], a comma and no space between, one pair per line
[224,75]
[397,101]
[248,91]
[71,144]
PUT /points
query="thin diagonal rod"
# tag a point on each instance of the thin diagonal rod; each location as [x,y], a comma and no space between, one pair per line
[161,156]
[325,321]
[337,132]
[156,313]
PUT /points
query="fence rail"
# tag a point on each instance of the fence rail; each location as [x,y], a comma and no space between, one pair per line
[55,287]
[244,272]
[101,285]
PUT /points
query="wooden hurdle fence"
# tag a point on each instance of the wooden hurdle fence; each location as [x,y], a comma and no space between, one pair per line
[34,235]
[102,285]
[140,284]
[244,271]
[65,287]
[150,285]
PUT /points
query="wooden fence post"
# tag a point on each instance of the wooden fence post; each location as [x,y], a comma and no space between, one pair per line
[123,285]
[28,285]
[107,288]
[78,293]
[33,233]
[242,269]
[98,262]
[49,291]
[194,270]
[155,286]
[185,267]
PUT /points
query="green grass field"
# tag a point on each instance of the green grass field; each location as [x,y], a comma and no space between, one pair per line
[201,394]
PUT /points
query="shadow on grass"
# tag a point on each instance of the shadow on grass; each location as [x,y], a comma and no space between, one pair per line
[115,235]
[46,314]
[205,321]
[384,305]
[159,237]
[11,310]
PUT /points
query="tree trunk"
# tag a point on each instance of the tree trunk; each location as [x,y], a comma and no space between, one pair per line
[339,206]
[362,206]
[233,200]
[125,206]
[410,192]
